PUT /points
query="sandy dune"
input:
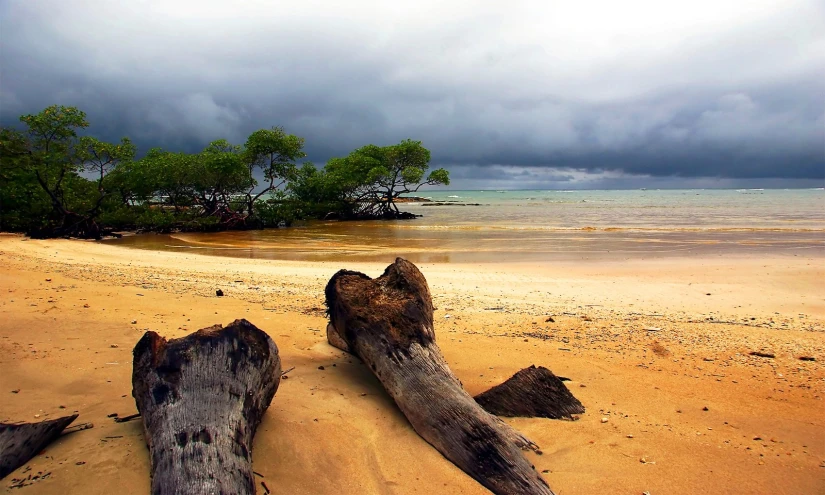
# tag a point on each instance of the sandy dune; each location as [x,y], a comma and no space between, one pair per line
[643,343]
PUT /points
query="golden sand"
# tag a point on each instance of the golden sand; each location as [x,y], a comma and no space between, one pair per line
[658,347]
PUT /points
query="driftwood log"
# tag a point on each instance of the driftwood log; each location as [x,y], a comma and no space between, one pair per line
[20,442]
[201,398]
[532,393]
[388,323]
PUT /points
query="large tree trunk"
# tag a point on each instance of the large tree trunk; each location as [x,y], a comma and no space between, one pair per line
[388,323]
[20,442]
[201,398]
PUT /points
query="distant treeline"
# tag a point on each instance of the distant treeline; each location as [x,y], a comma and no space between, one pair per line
[54,182]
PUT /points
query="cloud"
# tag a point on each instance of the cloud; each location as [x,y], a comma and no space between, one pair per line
[195,117]
[637,89]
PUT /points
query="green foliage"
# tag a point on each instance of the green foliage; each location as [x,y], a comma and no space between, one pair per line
[171,176]
[53,181]
[274,152]
[156,219]
[55,128]
[370,178]
[100,158]
[218,173]
[276,211]
[133,183]
[47,149]
[49,153]
[317,193]
[24,206]
[439,176]
[118,216]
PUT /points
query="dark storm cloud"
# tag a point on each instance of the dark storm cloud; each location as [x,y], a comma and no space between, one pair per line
[500,95]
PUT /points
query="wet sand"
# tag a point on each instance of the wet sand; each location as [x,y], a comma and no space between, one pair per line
[420,242]
[644,344]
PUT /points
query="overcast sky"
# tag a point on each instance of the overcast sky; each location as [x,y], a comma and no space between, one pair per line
[505,94]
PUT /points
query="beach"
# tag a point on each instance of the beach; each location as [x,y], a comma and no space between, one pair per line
[657,349]
[606,217]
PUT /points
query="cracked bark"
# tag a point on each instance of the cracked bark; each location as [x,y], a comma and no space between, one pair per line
[388,323]
[201,398]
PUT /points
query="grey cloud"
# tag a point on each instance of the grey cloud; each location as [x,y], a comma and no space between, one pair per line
[743,103]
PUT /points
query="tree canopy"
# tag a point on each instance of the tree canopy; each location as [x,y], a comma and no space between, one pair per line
[56,182]
[371,178]
[274,152]
[50,153]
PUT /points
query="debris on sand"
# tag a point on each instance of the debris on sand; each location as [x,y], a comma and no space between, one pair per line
[763,354]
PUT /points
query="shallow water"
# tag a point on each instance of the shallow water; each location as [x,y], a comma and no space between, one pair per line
[541,226]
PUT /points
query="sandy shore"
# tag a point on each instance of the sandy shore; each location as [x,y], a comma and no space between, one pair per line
[660,348]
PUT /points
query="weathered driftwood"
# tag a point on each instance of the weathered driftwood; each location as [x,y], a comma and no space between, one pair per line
[533,393]
[20,442]
[388,323]
[201,398]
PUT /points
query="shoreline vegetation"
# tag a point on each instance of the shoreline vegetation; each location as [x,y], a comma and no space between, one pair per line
[56,183]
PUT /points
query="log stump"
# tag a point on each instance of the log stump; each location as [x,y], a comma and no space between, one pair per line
[531,393]
[20,442]
[201,398]
[388,323]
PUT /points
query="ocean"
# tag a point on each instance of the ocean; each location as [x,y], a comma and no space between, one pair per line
[539,226]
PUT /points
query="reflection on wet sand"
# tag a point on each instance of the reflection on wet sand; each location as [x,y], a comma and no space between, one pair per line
[375,241]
